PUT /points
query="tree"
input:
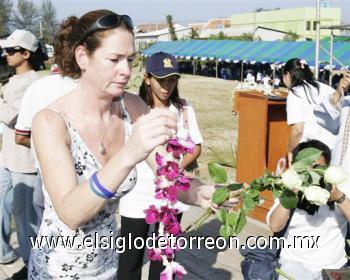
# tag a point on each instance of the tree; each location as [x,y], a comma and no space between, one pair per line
[172,33]
[291,36]
[194,34]
[26,17]
[5,16]
[48,21]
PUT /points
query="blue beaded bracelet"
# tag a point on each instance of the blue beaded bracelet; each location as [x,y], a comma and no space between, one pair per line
[101,188]
[93,188]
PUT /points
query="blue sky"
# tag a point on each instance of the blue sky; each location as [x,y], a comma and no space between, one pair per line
[183,11]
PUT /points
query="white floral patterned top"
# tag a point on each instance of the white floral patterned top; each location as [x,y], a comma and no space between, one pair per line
[70,259]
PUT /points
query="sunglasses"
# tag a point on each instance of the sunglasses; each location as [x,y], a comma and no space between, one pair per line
[108,22]
[12,51]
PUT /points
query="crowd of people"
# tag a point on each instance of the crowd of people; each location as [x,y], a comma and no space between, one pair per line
[77,136]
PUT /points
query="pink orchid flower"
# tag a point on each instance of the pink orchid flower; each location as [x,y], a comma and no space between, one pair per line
[171,269]
[167,193]
[152,215]
[154,254]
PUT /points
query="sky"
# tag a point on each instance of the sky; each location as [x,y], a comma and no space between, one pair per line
[183,11]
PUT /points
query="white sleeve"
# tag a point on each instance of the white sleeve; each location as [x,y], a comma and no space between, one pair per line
[273,207]
[193,128]
[296,109]
[25,116]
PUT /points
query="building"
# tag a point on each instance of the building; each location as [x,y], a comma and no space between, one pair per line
[301,21]
[143,40]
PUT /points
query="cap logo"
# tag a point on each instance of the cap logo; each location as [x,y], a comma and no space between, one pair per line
[167,63]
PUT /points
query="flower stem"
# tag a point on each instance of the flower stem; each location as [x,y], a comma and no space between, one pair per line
[280,272]
[196,224]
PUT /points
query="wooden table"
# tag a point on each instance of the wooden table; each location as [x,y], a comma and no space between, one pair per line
[262,140]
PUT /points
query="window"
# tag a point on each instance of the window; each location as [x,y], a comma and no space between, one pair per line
[308,25]
[315,24]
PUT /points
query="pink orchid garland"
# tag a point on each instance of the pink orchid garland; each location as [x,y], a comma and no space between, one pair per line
[170,179]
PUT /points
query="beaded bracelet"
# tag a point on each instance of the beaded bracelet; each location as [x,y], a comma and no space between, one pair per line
[101,189]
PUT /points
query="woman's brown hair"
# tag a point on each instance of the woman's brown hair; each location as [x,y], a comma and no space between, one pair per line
[72,33]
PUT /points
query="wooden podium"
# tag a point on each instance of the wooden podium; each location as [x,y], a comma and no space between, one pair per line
[262,140]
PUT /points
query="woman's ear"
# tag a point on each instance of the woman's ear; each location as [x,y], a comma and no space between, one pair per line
[82,58]
[147,79]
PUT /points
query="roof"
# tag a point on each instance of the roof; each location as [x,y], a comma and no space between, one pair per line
[263,51]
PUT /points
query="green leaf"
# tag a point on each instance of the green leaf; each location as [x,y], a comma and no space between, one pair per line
[221,215]
[249,203]
[217,173]
[232,219]
[242,220]
[220,195]
[315,177]
[252,193]
[234,187]
[306,158]
[225,231]
[289,199]
[275,193]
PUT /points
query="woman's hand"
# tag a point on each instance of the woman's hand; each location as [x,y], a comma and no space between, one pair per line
[150,131]
[205,195]
[335,194]
[344,83]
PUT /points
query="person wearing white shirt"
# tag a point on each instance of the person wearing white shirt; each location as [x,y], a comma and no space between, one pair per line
[326,223]
[159,90]
[307,112]
[38,95]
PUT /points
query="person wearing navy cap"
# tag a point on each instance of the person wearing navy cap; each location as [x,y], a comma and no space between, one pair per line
[159,90]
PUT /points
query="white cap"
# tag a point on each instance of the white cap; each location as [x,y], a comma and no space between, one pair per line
[21,38]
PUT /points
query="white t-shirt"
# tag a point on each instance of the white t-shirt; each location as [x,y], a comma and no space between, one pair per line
[142,195]
[308,106]
[38,95]
[331,226]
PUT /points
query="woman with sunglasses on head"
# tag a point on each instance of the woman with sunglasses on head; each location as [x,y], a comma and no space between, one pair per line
[87,144]
[18,176]
[308,106]
[159,89]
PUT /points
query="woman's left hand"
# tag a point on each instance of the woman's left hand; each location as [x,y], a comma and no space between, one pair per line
[205,195]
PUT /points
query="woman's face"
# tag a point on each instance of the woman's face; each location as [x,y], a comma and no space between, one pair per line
[109,67]
[287,80]
[161,89]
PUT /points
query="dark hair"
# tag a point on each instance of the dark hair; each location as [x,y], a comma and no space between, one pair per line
[326,152]
[145,92]
[70,36]
[37,58]
[300,74]
[303,204]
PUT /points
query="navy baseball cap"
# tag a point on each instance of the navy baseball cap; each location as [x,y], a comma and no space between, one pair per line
[161,65]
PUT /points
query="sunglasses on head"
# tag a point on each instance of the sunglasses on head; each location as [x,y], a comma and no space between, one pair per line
[12,51]
[107,22]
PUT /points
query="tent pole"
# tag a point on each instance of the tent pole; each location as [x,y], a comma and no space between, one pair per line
[242,71]
[216,68]
[331,58]
[317,52]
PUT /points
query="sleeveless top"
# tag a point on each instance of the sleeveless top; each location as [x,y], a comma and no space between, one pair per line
[91,252]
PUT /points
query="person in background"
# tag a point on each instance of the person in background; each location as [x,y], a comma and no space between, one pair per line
[159,90]
[38,95]
[328,221]
[307,110]
[88,143]
[18,177]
